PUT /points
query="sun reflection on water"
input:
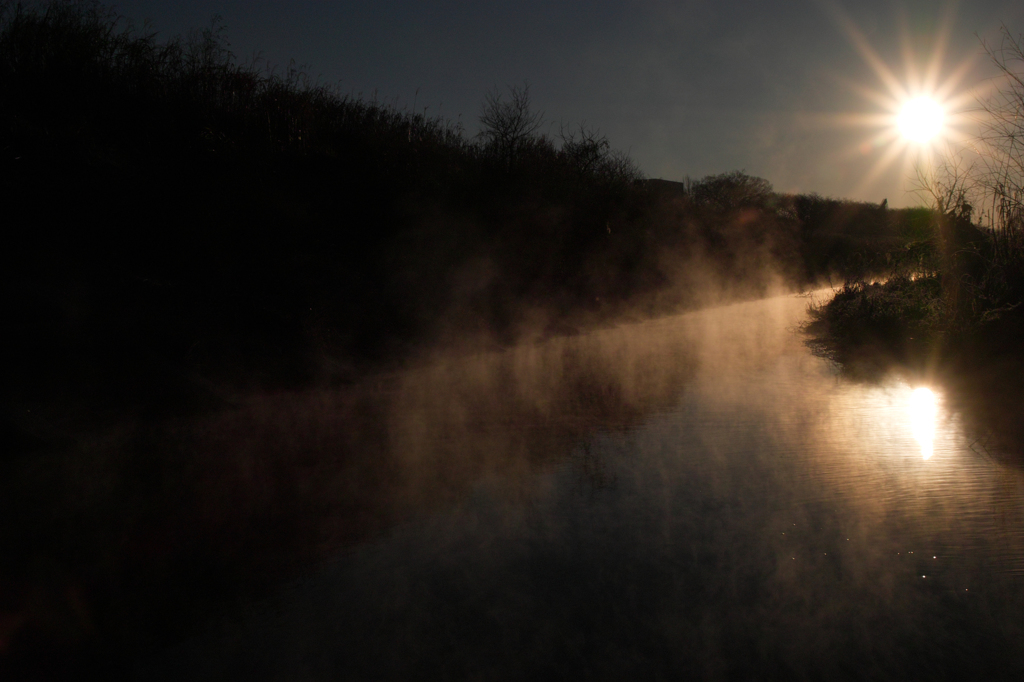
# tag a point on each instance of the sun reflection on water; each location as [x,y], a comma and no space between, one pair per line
[922,419]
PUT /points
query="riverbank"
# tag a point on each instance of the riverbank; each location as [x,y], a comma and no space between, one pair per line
[903,326]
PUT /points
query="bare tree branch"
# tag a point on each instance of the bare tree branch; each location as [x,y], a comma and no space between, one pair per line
[508,124]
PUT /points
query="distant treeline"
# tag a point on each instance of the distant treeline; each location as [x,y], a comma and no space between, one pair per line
[170,208]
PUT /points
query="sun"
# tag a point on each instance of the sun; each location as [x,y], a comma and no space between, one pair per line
[915,113]
[921,120]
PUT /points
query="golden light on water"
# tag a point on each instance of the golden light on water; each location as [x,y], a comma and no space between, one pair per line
[920,120]
[923,410]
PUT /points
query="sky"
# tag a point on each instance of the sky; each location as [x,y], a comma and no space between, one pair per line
[800,92]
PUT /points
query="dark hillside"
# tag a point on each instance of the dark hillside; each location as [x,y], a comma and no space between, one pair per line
[177,210]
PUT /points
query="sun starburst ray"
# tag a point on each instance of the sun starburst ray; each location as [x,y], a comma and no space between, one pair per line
[894,149]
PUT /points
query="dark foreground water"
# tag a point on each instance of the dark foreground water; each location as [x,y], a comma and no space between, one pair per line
[696,496]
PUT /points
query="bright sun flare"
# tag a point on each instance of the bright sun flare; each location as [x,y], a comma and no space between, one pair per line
[917,113]
[920,120]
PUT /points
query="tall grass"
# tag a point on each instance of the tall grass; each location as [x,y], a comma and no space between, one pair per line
[999,179]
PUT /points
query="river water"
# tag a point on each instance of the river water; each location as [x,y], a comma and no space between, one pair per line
[692,496]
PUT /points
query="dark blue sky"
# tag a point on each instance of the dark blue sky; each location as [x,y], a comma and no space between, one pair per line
[687,87]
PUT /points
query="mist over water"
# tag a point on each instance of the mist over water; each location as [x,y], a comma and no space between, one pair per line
[691,495]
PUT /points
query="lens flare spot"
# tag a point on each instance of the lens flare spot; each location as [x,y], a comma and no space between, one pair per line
[923,410]
[920,119]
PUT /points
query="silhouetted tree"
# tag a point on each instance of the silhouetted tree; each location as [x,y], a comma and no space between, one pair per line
[730,191]
[589,155]
[509,126]
[584,149]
